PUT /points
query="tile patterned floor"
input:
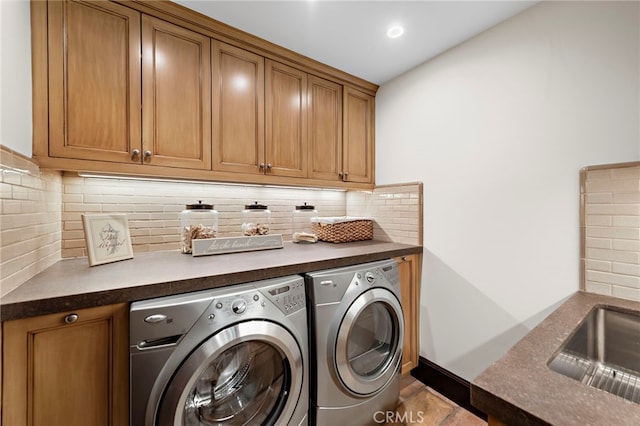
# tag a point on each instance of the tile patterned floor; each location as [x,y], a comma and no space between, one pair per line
[421,405]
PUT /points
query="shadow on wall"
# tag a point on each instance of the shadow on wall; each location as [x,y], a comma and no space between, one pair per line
[462,329]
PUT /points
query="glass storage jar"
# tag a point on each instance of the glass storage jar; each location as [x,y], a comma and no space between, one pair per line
[301,224]
[256,220]
[197,221]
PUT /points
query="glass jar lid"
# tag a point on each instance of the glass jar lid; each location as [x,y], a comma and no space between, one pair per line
[199,206]
[256,206]
[305,207]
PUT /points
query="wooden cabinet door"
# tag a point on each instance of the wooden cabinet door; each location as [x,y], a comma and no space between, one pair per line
[176,96]
[324,103]
[408,269]
[94,81]
[286,120]
[63,374]
[238,110]
[358,163]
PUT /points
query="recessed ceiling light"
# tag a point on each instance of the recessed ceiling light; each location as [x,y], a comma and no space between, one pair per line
[395,31]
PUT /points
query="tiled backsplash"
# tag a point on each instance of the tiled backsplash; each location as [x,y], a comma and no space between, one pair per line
[30,221]
[42,211]
[153,207]
[397,210]
[610,230]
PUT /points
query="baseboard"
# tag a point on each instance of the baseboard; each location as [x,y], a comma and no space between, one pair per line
[446,383]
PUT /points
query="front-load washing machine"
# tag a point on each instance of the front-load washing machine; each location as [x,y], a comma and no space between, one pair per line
[356,336]
[235,355]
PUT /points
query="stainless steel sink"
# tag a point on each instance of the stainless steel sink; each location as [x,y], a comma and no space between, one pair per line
[604,352]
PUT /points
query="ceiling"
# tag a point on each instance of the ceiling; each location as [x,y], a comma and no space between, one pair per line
[351,35]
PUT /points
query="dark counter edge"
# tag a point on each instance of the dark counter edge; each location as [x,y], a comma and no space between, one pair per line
[502,410]
[13,311]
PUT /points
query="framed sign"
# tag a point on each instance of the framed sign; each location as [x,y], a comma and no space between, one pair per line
[107,237]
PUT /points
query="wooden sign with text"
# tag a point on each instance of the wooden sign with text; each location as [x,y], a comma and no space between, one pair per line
[209,246]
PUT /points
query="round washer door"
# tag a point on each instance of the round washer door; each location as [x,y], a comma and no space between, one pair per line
[368,346]
[248,373]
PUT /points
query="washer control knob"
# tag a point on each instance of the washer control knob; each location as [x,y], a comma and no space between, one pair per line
[370,277]
[239,306]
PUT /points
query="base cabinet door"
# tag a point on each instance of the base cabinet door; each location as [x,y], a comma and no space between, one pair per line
[67,369]
[409,271]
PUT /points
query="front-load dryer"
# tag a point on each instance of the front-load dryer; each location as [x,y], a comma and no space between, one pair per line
[356,339]
[235,355]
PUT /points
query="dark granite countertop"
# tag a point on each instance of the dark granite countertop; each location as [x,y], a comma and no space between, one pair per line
[520,390]
[72,284]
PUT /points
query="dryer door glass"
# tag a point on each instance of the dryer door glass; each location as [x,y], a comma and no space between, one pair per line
[370,340]
[368,349]
[249,373]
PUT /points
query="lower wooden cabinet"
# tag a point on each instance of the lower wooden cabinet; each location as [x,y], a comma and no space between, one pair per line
[409,268]
[67,369]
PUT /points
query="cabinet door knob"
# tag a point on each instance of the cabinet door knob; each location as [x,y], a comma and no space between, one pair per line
[147,153]
[340,175]
[71,318]
[135,153]
[269,167]
[261,167]
[345,176]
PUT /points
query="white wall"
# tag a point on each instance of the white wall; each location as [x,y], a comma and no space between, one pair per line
[15,76]
[497,129]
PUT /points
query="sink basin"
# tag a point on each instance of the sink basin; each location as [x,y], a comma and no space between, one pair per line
[604,352]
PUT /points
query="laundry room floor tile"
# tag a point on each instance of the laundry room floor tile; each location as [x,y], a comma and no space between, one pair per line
[422,406]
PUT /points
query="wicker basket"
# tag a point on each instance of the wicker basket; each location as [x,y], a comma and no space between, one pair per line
[342,230]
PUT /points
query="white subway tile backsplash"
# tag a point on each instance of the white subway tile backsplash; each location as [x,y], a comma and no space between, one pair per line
[626,269]
[599,220]
[612,255]
[611,235]
[31,220]
[598,288]
[626,233]
[626,198]
[598,265]
[625,292]
[626,245]
[603,243]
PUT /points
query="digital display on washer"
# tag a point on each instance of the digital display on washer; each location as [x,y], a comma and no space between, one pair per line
[277,291]
[387,268]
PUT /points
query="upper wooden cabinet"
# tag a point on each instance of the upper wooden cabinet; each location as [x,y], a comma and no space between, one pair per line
[358,163]
[238,109]
[176,96]
[94,81]
[152,88]
[286,121]
[324,103]
[100,89]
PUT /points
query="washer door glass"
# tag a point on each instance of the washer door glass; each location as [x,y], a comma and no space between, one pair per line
[245,384]
[248,373]
[369,342]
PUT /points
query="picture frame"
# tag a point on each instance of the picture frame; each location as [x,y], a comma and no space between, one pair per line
[107,237]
